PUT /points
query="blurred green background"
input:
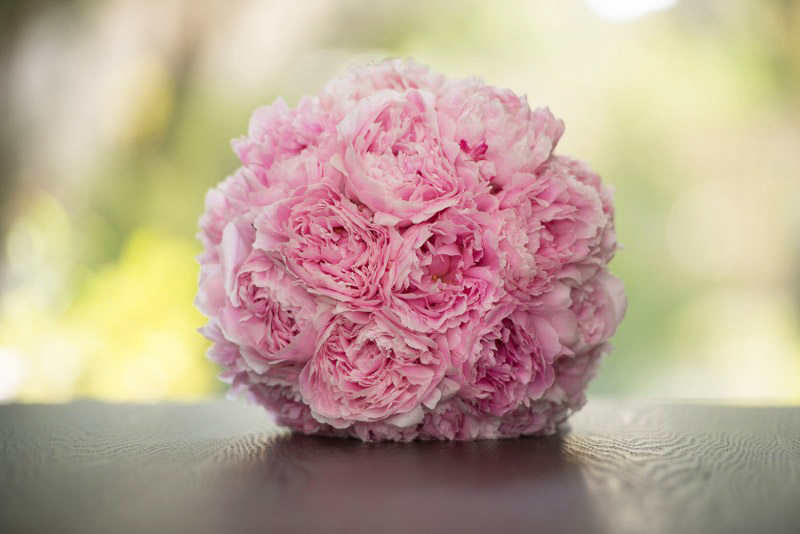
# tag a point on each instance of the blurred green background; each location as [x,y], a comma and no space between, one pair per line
[117,117]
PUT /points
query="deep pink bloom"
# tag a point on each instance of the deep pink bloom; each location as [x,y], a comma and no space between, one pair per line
[404,256]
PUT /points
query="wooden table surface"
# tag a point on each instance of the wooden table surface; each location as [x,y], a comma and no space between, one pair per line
[222,467]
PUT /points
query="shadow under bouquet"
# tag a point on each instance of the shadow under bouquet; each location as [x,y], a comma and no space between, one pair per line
[404,256]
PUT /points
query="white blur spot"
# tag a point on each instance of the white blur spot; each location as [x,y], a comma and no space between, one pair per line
[12,373]
[625,10]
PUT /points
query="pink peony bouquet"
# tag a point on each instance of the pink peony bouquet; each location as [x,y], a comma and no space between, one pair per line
[404,256]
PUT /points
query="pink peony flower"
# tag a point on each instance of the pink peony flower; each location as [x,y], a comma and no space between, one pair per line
[271,319]
[394,159]
[603,248]
[278,133]
[512,362]
[330,245]
[289,410]
[497,131]
[372,370]
[556,228]
[404,256]
[598,306]
[447,272]
[573,373]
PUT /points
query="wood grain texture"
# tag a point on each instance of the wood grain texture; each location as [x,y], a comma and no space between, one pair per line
[222,467]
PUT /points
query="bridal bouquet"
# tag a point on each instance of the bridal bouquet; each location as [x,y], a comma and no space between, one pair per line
[405,256]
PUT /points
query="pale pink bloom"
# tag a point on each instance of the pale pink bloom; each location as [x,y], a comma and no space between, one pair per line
[455,420]
[270,318]
[573,373]
[598,306]
[603,249]
[330,245]
[288,409]
[497,132]
[394,159]
[277,133]
[340,95]
[538,417]
[447,271]
[224,352]
[236,201]
[512,361]
[372,370]
[233,198]
[554,227]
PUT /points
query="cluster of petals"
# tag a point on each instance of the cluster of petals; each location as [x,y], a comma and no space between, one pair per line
[404,256]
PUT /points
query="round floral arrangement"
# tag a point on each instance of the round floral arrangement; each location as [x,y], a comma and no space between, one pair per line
[404,256]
